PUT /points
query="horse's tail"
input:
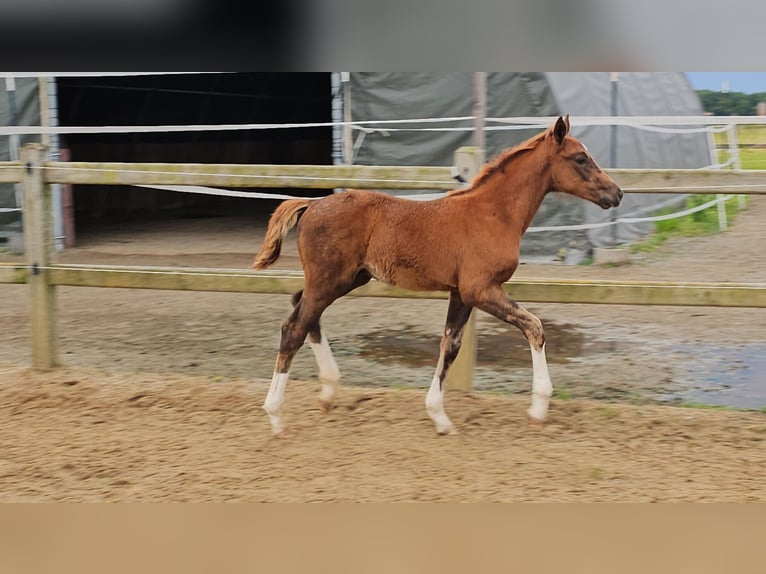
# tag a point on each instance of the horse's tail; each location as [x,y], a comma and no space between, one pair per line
[284,218]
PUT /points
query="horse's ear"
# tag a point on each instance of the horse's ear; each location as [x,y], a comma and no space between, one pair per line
[561,129]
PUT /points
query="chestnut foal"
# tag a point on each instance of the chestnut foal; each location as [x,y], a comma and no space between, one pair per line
[466,242]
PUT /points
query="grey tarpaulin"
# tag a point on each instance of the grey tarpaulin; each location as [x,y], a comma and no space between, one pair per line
[27,114]
[390,96]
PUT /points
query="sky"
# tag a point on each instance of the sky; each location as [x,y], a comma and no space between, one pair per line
[747,82]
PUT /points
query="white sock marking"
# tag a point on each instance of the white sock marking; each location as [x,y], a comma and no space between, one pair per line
[542,388]
[274,400]
[435,403]
[329,374]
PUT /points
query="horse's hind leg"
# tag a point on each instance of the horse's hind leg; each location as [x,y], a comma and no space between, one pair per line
[496,302]
[457,316]
[303,321]
[304,316]
[329,374]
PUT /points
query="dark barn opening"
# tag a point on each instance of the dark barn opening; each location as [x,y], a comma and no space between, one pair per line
[189,99]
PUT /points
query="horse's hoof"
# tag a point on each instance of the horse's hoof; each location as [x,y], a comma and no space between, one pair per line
[282,433]
[535,422]
[447,431]
[537,414]
[325,406]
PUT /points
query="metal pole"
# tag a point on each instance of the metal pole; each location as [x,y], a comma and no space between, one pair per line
[13,139]
[613,80]
[479,108]
[336,90]
[46,88]
[348,140]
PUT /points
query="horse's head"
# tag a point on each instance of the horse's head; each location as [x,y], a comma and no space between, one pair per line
[574,171]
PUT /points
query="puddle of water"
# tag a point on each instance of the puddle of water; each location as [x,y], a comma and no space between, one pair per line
[723,376]
[706,374]
[405,346]
[497,346]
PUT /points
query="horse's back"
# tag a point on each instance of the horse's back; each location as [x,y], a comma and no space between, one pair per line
[353,210]
[360,202]
[338,226]
[383,234]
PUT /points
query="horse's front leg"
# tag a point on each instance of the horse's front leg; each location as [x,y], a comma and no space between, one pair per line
[457,316]
[496,302]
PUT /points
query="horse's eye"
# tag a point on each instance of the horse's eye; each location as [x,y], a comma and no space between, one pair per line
[581,160]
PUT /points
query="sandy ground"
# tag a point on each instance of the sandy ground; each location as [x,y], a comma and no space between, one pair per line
[160,393]
[83,435]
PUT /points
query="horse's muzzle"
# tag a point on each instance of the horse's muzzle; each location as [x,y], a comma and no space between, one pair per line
[612,198]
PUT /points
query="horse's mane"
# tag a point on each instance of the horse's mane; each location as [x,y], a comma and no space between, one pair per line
[500,162]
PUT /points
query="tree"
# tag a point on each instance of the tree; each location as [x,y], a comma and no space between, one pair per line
[730,103]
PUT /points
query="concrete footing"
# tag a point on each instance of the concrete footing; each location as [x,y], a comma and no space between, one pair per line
[611,256]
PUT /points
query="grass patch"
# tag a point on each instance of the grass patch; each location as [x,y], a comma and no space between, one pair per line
[706,222]
[651,243]
[703,222]
[746,135]
[705,406]
[750,158]
[697,224]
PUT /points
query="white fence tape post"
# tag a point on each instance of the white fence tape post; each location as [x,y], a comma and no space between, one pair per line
[722,223]
[735,159]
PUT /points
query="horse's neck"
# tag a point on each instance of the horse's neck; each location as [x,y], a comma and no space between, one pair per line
[515,195]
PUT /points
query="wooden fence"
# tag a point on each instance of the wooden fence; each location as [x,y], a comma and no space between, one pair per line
[43,275]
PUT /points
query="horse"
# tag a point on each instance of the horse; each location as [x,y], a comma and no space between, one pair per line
[465,243]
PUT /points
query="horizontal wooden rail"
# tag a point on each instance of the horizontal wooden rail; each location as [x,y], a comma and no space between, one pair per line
[751,182]
[11,172]
[242,175]
[13,273]
[525,290]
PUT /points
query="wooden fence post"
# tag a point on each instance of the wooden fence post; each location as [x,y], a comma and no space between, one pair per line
[468,161]
[38,246]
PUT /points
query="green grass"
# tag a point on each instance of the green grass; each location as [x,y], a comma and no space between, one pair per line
[706,406]
[706,222]
[703,222]
[693,405]
[747,135]
[750,158]
[650,244]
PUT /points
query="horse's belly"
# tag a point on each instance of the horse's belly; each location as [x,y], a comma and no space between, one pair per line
[411,279]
